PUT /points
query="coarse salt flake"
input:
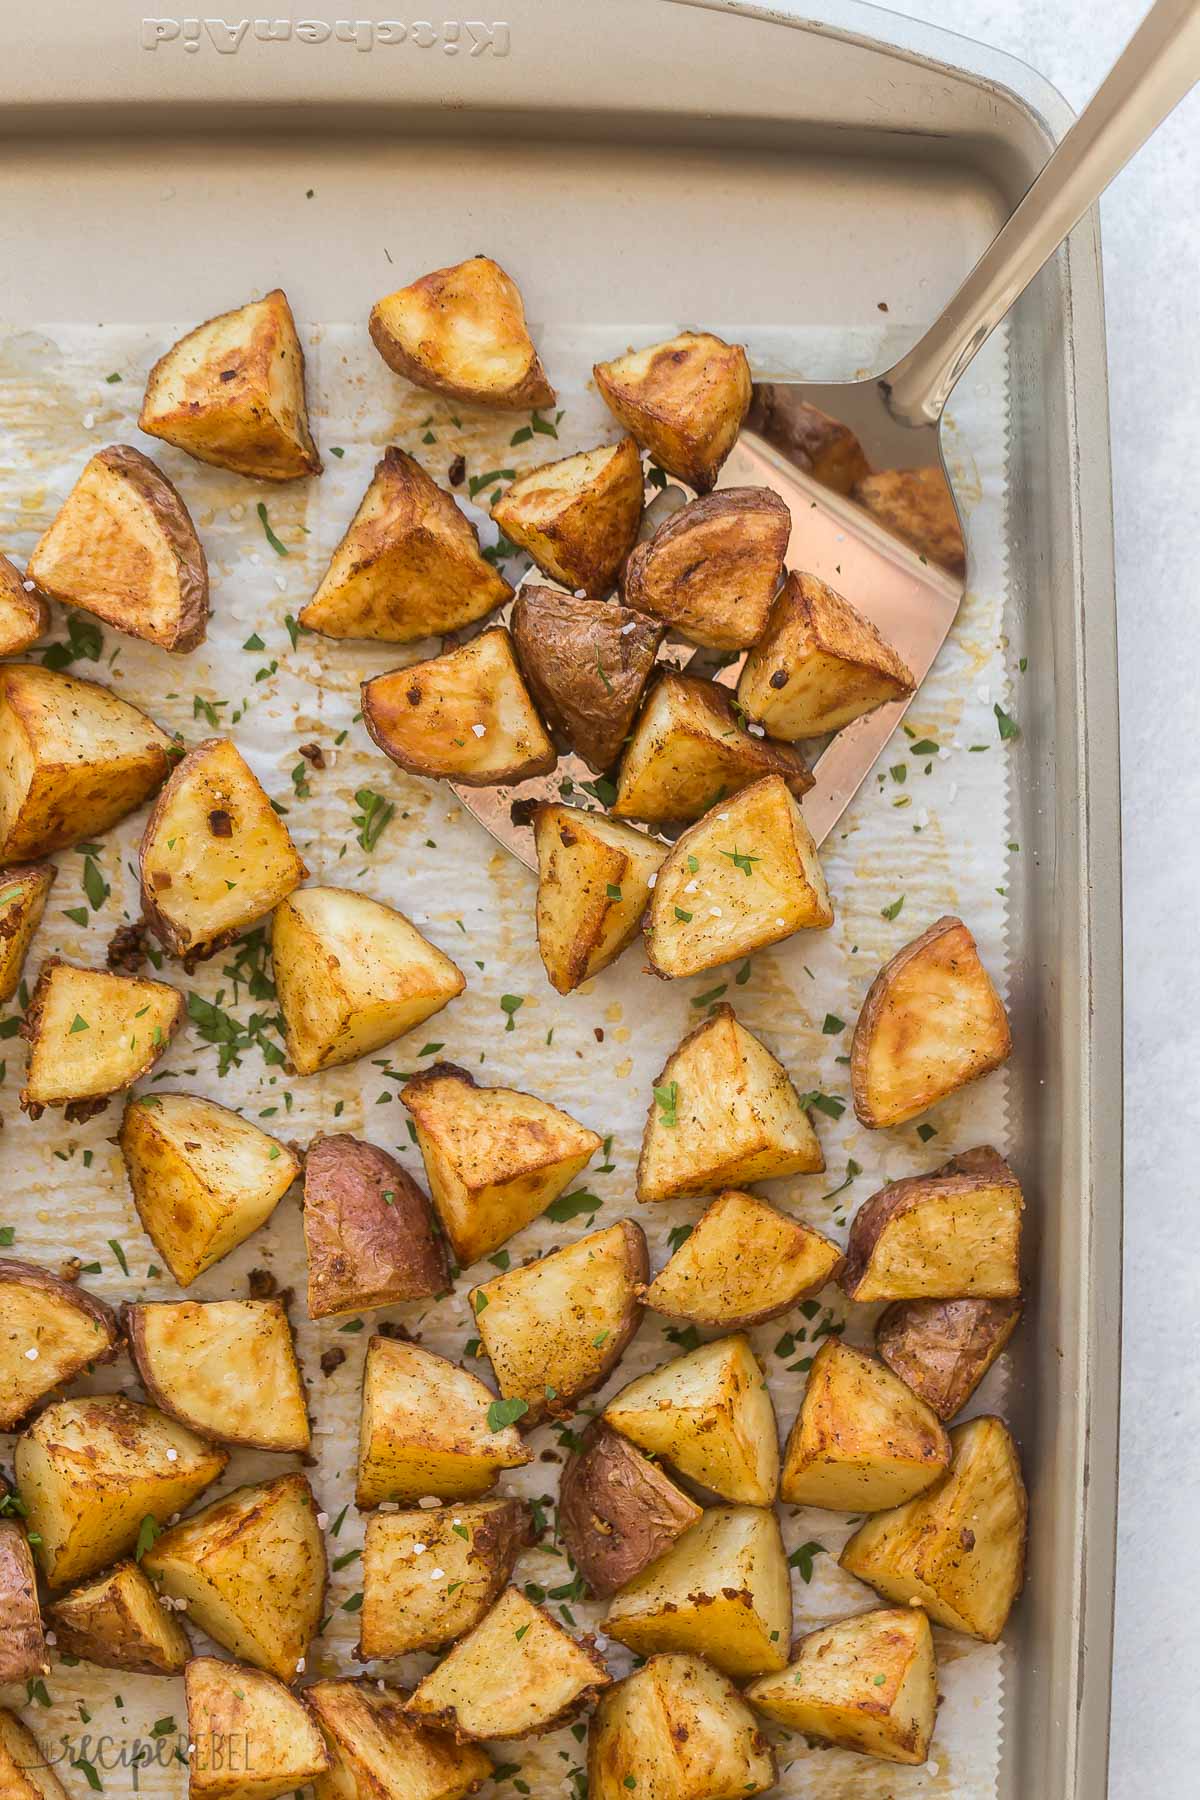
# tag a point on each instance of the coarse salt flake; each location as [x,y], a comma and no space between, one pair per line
[172,1456]
[436,1574]
[31,1354]
[322,1521]
[479,730]
[89,419]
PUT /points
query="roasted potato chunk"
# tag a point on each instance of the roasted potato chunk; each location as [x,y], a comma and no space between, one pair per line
[953,1233]
[684,402]
[711,569]
[117,1621]
[824,448]
[232,393]
[369,1230]
[722,1592]
[90,1471]
[578,518]
[743,1262]
[461,331]
[516,1673]
[90,1034]
[24,889]
[495,1158]
[22,1640]
[73,760]
[465,715]
[248,1738]
[958,1550]
[862,1440]
[818,664]
[203,1178]
[472,1546]
[378,1753]
[252,1569]
[428,1427]
[26,1770]
[66,1329]
[617,1510]
[868,1683]
[709,1415]
[916,505]
[123,546]
[676,1730]
[931,1022]
[587,663]
[24,615]
[225,1368]
[724,1111]
[944,1348]
[409,565]
[595,878]
[756,879]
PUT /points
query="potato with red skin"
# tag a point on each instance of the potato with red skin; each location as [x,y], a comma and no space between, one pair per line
[941,1236]
[822,446]
[24,890]
[944,1348]
[369,1230]
[618,1510]
[22,1639]
[587,663]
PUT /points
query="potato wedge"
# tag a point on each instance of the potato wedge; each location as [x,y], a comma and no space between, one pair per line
[917,506]
[465,715]
[684,402]
[709,1415]
[378,1753]
[953,1233]
[958,1550]
[405,1608]
[711,569]
[73,760]
[90,1034]
[818,664]
[868,1683]
[724,1111]
[409,565]
[66,1329]
[676,1730]
[91,1471]
[688,751]
[495,1158]
[23,1655]
[617,1510]
[516,1673]
[215,856]
[944,1348]
[369,1230]
[722,1592]
[862,1441]
[428,1427]
[461,331]
[248,1737]
[757,880]
[931,1022]
[352,974]
[823,447]
[742,1263]
[578,517]
[26,1770]
[595,877]
[24,890]
[123,547]
[117,1621]
[203,1178]
[587,663]
[231,392]
[556,1328]
[24,614]
[251,1567]
[224,1368]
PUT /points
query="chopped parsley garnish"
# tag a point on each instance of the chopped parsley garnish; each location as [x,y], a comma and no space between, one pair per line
[1007,726]
[511,1004]
[802,1559]
[503,1413]
[667,1098]
[832,1025]
[573,1206]
[477,483]
[852,1169]
[892,911]
[826,1103]
[741,860]
[264,521]
[375,813]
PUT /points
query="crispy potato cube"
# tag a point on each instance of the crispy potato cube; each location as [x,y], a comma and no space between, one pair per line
[65,1327]
[26,1770]
[90,1034]
[944,1348]
[409,565]
[684,402]
[24,614]
[722,1592]
[742,1263]
[352,974]
[818,664]
[587,663]
[823,447]
[952,1233]
[516,1673]
[495,1158]
[931,1022]
[22,1640]
[960,1548]
[369,1230]
[916,505]
[711,569]
[461,331]
[595,878]
[757,880]
[203,1178]
[617,1510]
[676,1730]
[465,715]
[428,1427]
[862,1441]
[215,855]
[473,1545]
[232,393]
[73,760]
[225,1368]
[123,546]
[578,517]
[709,1415]
[91,1470]
[555,1328]
[378,1753]
[248,1737]
[24,889]
[724,1111]
[251,1567]
[117,1621]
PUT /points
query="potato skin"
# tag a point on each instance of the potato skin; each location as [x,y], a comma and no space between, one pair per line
[587,663]
[617,1510]
[961,1175]
[478,285]
[711,569]
[33,1277]
[944,1348]
[365,1250]
[683,400]
[822,446]
[22,1641]
[97,1623]
[24,615]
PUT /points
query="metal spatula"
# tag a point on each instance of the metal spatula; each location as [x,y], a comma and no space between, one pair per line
[896,418]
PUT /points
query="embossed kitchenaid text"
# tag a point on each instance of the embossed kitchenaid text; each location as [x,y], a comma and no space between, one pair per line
[468,37]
